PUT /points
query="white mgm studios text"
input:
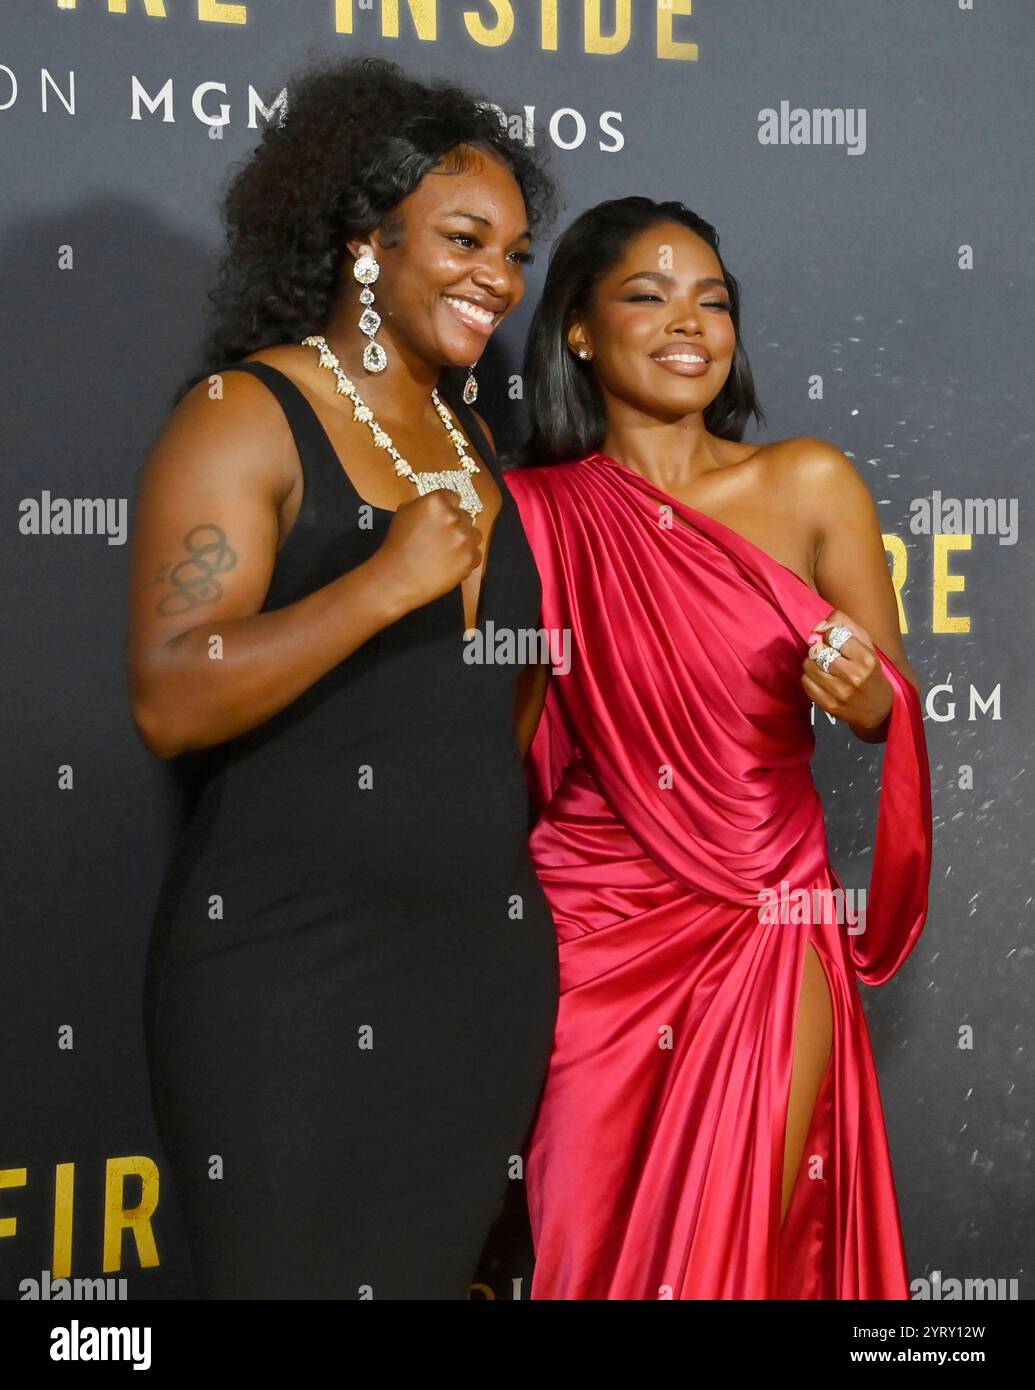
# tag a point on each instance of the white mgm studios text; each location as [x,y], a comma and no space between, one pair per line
[522,646]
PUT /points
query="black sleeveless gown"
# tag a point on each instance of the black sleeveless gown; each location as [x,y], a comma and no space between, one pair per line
[352,974]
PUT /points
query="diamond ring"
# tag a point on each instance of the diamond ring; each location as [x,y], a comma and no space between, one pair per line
[825,657]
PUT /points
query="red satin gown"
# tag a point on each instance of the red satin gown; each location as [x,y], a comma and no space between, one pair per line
[672,769]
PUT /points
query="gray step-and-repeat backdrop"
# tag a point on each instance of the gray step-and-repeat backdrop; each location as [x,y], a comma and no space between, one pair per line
[868,168]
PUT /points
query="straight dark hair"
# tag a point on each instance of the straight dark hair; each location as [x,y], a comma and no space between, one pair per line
[565,404]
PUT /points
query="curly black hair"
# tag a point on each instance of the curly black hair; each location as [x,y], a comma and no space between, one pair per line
[359,135]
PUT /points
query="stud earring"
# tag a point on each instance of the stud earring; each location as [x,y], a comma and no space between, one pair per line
[583,353]
[366,270]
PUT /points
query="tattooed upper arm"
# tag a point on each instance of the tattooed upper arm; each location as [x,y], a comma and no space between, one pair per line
[206,521]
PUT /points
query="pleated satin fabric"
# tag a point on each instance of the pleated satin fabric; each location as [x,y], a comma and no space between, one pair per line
[672,771]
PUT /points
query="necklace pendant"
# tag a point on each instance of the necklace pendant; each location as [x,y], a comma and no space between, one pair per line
[375,359]
[457,481]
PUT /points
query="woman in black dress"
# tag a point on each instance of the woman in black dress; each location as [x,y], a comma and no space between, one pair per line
[352,973]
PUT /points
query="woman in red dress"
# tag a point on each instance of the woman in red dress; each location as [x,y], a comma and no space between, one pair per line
[711,1125]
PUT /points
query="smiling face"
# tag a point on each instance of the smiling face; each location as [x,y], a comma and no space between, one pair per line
[456,268]
[659,332]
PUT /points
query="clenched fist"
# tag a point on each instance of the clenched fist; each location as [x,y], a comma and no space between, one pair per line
[431,545]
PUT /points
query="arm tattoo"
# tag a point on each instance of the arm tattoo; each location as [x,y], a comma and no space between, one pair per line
[193,579]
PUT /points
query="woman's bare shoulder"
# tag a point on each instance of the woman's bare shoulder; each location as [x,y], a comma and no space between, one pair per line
[815,472]
[228,421]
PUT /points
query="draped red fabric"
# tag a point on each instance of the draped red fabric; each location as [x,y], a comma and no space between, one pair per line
[672,771]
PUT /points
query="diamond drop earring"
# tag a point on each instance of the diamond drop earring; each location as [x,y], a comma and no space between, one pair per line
[366,270]
[470,387]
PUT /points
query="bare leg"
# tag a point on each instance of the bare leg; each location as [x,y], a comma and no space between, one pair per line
[812,1043]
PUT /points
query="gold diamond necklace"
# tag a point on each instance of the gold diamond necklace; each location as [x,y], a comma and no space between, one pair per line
[458,480]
